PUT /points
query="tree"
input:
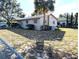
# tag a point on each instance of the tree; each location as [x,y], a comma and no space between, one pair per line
[71,20]
[67,20]
[60,15]
[43,6]
[76,19]
[9,8]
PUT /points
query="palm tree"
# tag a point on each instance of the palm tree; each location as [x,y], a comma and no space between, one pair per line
[43,6]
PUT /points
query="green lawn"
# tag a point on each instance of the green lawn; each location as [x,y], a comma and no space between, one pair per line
[68,43]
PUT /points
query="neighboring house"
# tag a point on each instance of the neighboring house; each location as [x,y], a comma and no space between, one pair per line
[37,21]
[63,21]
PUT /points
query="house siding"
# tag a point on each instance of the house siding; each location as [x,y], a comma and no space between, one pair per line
[51,20]
[40,22]
[23,24]
[37,25]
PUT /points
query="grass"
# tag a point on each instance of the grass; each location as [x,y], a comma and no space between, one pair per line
[68,44]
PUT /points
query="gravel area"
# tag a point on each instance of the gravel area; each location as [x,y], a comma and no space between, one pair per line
[40,35]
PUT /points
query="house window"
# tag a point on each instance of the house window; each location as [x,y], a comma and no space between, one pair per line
[53,22]
[35,21]
[26,21]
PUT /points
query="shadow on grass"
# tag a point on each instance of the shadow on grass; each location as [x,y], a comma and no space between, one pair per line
[48,53]
[40,35]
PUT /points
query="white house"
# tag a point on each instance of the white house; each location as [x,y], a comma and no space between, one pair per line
[37,21]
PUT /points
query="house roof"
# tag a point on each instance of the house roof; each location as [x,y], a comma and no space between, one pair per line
[33,17]
[28,18]
[54,16]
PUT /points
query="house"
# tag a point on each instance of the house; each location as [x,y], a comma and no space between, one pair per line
[62,21]
[38,21]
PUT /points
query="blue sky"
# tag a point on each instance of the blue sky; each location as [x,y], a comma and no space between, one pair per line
[61,6]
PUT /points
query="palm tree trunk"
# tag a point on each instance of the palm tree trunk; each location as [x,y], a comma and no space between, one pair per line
[48,20]
[44,20]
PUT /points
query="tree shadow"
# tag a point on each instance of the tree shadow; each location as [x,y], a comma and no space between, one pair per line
[40,35]
[39,50]
[47,53]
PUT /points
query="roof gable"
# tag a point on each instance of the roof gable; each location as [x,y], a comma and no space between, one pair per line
[34,17]
[53,16]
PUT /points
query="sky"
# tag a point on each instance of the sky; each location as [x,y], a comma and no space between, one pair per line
[61,6]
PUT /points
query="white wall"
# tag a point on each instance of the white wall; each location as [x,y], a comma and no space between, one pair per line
[37,25]
[51,19]
[31,22]
[40,23]
[23,24]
